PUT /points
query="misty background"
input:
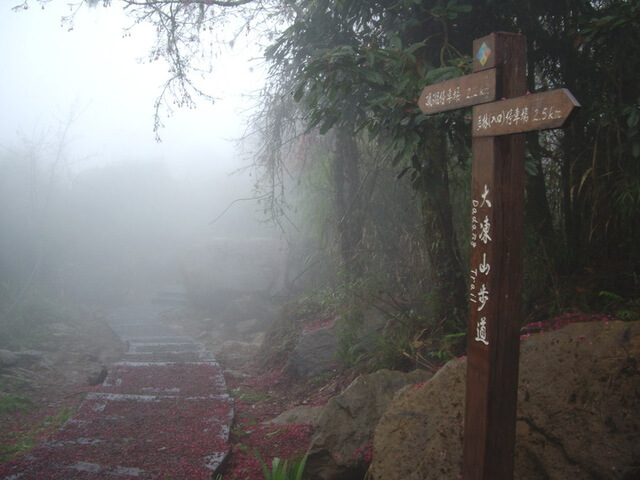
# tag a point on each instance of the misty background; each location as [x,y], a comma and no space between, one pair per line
[369,192]
[91,205]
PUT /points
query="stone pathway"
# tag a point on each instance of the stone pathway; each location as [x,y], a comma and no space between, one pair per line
[162,413]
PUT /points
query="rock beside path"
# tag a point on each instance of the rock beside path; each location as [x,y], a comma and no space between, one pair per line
[316,350]
[578,412]
[302,414]
[22,359]
[341,447]
[8,358]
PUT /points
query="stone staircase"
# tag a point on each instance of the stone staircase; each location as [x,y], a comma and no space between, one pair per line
[162,413]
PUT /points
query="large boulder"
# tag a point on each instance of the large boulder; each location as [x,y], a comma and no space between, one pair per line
[28,358]
[8,358]
[314,353]
[341,447]
[316,350]
[306,414]
[578,404]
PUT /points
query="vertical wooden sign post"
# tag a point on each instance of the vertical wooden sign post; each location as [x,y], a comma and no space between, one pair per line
[497,192]
[497,211]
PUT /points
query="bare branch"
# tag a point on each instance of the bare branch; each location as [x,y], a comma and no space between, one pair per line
[150,3]
[228,207]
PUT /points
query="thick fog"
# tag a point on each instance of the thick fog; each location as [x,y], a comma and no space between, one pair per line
[91,205]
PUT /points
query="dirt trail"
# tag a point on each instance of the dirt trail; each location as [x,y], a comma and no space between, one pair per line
[163,413]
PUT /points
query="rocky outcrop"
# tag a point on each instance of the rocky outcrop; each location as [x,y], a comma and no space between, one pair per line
[314,353]
[316,350]
[28,358]
[246,315]
[22,359]
[8,358]
[97,376]
[341,448]
[578,404]
[307,414]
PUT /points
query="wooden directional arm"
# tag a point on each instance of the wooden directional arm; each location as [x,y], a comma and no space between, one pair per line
[540,111]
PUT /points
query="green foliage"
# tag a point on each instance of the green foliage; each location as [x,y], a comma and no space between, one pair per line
[25,440]
[282,336]
[352,351]
[620,307]
[61,416]
[32,320]
[449,347]
[21,444]
[363,69]
[451,10]
[360,69]
[11,403]
[250,396]
[284,469]
[409,341]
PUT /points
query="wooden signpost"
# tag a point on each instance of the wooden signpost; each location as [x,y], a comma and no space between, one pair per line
[497,211]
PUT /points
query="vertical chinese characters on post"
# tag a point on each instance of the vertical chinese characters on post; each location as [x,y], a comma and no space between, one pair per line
[481,331]
[481,237]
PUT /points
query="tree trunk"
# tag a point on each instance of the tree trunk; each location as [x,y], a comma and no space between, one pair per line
[538,213]
[542,246]
[449,287]
[348,202]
